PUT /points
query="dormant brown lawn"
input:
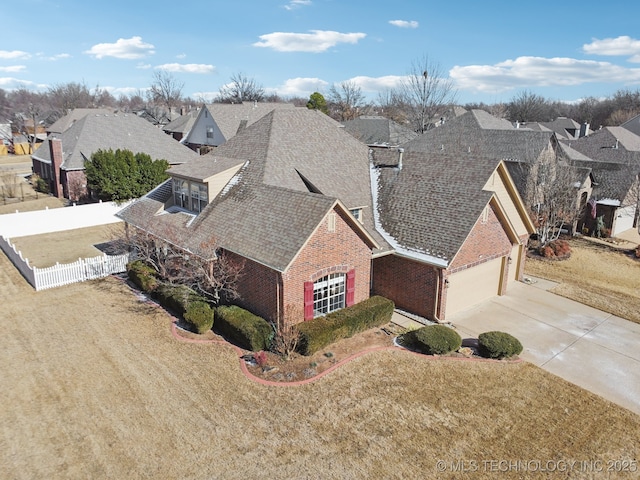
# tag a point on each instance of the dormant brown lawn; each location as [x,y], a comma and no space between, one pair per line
[95,386]
[597,275]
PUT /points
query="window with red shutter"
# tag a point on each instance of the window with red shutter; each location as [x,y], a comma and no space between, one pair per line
[308,300]
[351,287]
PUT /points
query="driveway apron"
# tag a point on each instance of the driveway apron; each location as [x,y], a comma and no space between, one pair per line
[590,348]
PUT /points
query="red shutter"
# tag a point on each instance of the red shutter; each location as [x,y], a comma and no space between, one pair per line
[308,300]
[351,287]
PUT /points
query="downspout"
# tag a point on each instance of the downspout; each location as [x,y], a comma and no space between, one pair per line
[437,303]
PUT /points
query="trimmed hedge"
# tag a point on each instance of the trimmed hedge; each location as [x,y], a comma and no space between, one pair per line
[498,345]
[142,275]
[176,297]
[200,315]
[244,328]
[323,331]
[432,340]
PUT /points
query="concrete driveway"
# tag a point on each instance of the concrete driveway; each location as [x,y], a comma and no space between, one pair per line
[590,348]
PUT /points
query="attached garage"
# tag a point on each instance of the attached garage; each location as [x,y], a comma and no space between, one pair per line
[473,285]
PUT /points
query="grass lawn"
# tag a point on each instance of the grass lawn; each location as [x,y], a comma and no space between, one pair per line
[596,274]
[95,386]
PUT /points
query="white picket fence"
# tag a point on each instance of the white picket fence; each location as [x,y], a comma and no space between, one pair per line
[64,274]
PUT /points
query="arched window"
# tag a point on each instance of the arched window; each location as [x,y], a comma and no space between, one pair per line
[328,294]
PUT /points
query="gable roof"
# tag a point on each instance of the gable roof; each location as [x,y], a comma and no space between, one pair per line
[115,131]
[484,135]
[613,155]
[378,130]
[182,124]
[76,114]
[633,125]
[427,208]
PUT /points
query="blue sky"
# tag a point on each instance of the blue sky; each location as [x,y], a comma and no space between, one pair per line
[492,50]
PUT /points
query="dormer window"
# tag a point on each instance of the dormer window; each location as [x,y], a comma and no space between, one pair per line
[357,213]
[192,196]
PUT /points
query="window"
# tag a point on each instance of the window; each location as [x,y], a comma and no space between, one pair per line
[181,193]
[209,132]
[357,213]
[198,197]
[190,195]
[485,214]
[329,294]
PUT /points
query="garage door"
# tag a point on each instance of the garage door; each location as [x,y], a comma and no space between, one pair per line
[473,285]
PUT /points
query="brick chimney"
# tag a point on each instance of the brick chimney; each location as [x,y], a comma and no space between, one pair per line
[55,150]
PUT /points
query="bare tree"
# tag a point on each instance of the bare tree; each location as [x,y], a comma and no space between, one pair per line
[9,181]
[165,90]
[529,107]
[287,336]
[345,100]
[426,92]
[210,271]
[64,97]
[241,89]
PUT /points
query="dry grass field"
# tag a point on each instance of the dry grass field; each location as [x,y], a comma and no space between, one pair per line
[95,386]
[596,274]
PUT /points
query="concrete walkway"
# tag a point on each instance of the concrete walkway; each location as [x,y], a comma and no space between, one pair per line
[590,348]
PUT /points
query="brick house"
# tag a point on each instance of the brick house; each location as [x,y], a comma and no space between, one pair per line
[321,221]
[457,226]
[61,159]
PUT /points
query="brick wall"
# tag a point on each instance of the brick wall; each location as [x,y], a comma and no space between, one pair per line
[411,285]
[487,241]
[74,183]
[325,252]
[329,252]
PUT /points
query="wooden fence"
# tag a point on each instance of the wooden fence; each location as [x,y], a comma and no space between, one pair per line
[63,274]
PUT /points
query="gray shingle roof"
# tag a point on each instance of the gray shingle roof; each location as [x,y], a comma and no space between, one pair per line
[115,131]
[76,114]
[203,167]
[430,206]
[614,169]
[481,134]
[182,124]
[378,130]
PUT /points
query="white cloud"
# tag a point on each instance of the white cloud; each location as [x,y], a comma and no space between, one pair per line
[53,58]
[11,83]
[186,67]
[126,48]
[293,4]
[404,23]
[12,55]
[205,97]
[181,55]
[316,41]
[13,69]
[377,84]
[299,87]
[143,66]
[619,46]
[538,72]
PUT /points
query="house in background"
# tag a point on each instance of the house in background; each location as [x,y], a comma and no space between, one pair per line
[63,123]
[181,126]
[633,125]
[613,156]
[61,160]
[375,131]
[293,196]
[216,123]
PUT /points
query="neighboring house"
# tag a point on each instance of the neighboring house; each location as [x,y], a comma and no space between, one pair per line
[378,131]
[181,126]
[564,128]
[62,124]
[309,211]
[61,160]
[457,226]
[216,123]
[633,125]
[613,156]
